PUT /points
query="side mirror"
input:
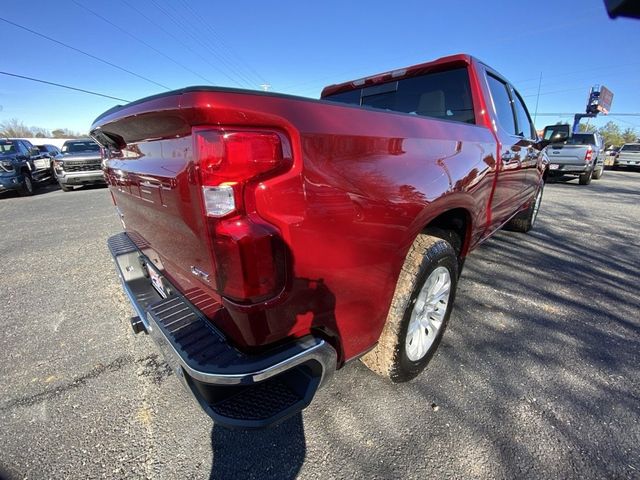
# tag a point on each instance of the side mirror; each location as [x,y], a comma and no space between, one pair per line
[556,133]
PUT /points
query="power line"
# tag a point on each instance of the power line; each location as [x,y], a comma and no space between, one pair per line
[555,91]
[598,79]
[572,73]
[161,28]
[84,53]
[141,41]
[189,30]
[226,48]
[63,86]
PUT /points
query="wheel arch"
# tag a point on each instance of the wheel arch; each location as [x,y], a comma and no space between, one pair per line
[457,220]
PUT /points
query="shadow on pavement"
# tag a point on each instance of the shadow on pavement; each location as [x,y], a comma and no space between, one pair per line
[277,452]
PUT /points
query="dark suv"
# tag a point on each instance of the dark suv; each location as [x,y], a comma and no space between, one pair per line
[21,166]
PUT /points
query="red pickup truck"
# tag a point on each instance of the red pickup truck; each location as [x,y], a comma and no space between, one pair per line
[269,239]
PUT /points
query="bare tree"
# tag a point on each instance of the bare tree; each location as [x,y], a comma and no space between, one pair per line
[14,128]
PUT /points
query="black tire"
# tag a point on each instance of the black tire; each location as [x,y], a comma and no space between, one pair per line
[28,187]
[597,174]
[585,178]
[525,220]
[390,358]
[65,188]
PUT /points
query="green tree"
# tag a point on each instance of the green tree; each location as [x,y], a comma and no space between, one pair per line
[611,134]
[629,135]
[586,128]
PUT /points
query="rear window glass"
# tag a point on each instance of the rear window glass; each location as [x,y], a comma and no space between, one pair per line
[581,139]
[444,95]
[75,147]
[631,148]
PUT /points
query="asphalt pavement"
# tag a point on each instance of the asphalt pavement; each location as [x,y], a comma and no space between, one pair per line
[537,377]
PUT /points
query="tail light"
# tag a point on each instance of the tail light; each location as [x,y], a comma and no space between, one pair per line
[249,253]
[587,156]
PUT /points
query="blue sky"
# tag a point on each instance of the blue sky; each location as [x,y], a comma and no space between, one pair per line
[298,47]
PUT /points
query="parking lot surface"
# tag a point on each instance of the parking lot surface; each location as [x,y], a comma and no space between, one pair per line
[537,376]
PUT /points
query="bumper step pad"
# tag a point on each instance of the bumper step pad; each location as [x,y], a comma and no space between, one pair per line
[234,388]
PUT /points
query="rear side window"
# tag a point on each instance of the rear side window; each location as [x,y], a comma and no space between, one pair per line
[582,139]
[445,95]
[502,104]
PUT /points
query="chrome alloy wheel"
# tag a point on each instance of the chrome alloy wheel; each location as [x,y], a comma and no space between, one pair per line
[428,314]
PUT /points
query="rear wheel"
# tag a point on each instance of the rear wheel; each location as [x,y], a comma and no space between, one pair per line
[27,187]
[598,173]
[585,178]
[419,312]
[524,221]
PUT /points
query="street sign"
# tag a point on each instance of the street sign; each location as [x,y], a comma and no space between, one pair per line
[600,99]
[605,100]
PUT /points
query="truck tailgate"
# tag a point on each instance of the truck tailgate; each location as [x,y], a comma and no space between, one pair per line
[159,202]
[567,154]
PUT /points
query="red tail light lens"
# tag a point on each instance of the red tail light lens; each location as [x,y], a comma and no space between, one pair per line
[250,261]
[588,155]
[237,156]
[250,255]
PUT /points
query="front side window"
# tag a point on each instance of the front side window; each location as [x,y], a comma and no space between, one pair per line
[525,127]
[8,147]
[22,148]
[502,104]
